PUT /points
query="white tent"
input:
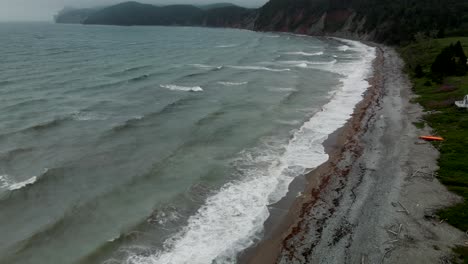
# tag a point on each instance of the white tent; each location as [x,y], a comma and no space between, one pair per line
[462,104]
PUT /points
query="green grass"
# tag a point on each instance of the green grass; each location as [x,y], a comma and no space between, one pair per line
[462,253]
[447,121]
[419,125]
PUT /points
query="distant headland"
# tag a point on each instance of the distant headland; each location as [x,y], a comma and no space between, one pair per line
[392,22]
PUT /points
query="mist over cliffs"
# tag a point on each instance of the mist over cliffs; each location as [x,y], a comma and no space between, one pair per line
[393,22]
[134,13]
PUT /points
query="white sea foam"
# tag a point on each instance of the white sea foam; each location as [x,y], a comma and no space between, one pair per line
[205,66]
[233,83]
[87,116]
[4,181]
[289,122]
[227,46]
[296,62]
[7,183]
[182,88]
[343,48]
[258,68]
[19,185]
[233,218]
[307,64]
[282,89]
[304,53]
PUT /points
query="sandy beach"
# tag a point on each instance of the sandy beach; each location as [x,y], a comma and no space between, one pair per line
[374,200]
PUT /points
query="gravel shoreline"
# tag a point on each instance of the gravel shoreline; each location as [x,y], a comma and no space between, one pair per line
[374,200]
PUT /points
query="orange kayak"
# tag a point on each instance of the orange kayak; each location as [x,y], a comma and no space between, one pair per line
[431,138]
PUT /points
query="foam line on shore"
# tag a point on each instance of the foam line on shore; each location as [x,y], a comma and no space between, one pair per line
[232,219]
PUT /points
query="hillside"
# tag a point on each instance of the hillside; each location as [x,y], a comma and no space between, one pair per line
[394,22]
[213,6]
[134,13]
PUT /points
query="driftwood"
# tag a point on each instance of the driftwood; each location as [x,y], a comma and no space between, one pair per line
[387,252]
[404,209]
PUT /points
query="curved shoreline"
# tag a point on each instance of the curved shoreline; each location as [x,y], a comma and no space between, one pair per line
[280,227]
[364,205]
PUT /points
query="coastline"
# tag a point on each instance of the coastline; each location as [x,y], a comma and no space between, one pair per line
[365,204]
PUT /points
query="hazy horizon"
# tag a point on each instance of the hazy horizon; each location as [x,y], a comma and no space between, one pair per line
[44,10]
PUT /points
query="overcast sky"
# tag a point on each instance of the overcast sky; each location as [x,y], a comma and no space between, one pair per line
[43,10]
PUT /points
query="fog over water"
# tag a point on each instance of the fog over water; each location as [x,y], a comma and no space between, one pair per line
[44,10]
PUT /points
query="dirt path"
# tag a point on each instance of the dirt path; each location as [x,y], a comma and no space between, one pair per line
[378,201]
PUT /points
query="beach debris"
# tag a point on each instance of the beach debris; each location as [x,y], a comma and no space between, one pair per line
[416,172]
[431,138]
[395,233]
[428,176]
[387,252]
[404,209]
[463,103]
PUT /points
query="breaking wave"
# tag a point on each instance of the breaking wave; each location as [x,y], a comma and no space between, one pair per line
[258,68]
[182,88]
[343,48]
[232,219]
[304,53]
[7,183]
[233,83]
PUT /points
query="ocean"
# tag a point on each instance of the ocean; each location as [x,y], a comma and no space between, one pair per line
[147,145]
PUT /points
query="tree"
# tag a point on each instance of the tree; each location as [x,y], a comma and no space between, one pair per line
[418,71]
[451,61]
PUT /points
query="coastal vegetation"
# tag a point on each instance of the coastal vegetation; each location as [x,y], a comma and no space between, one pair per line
[135,13]
[395,22]
[437,68]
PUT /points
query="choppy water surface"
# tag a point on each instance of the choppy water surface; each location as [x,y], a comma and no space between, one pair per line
[159,144]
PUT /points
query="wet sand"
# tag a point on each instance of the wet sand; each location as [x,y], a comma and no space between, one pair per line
[374,200]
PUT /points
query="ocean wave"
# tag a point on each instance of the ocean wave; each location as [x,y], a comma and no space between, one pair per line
[205,66]
[182,88]
[258,68]
[282,89]
[129,70]
[304,53]
[128,123]
[304,62]
[11,154]
[4,181]
[139,78]
[289,122]
[26,103]
[343,48]
[87,116]
[47,124]
[98,87]
[164,216]
[227,46]
[132,122]
[7,183]
[19,185]
[232,219]
[233,83]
